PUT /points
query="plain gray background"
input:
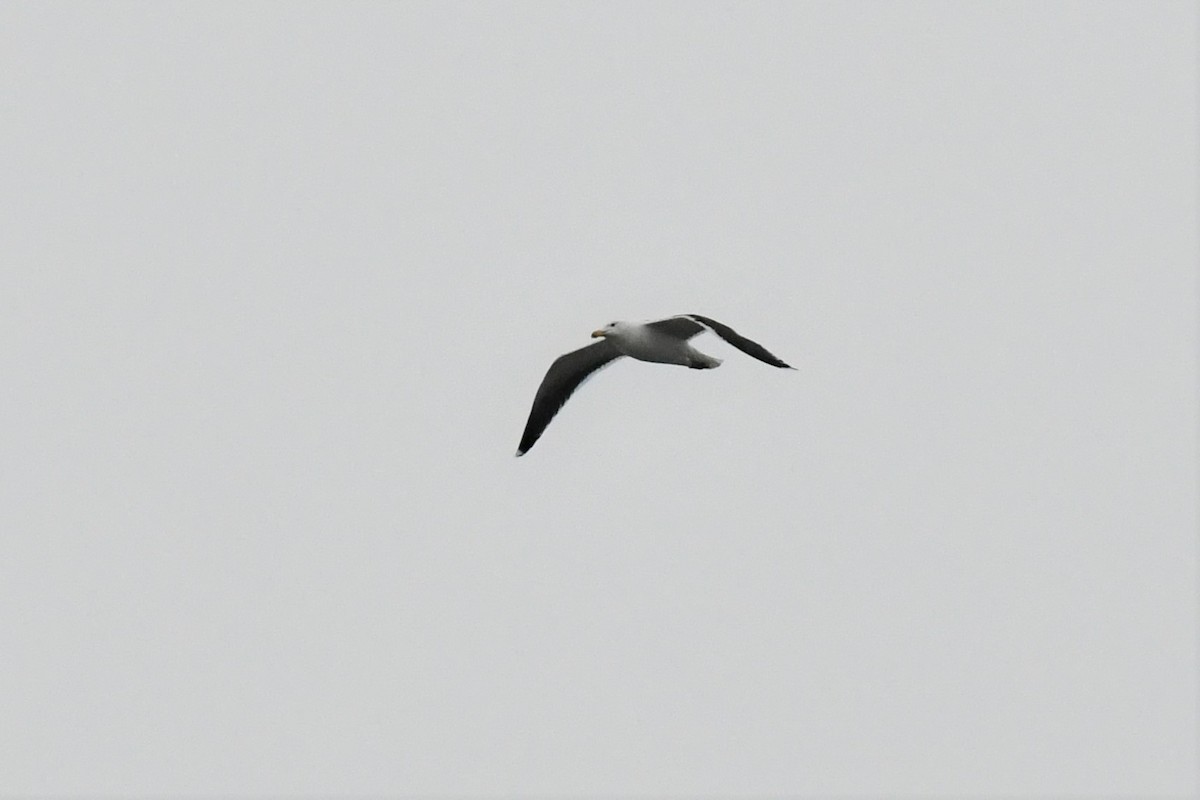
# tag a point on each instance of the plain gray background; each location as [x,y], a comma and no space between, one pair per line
[280,281]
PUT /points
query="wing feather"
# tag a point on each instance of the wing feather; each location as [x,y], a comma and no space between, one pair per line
[747,346]
[565,375]
[680,327]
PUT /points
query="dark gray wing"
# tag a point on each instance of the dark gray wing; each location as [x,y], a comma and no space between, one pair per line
[682,327]
[562,379]
[685,326]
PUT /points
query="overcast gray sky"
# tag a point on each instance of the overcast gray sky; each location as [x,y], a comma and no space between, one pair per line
[280,281]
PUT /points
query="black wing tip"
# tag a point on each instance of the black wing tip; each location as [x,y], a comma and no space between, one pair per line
[778,362]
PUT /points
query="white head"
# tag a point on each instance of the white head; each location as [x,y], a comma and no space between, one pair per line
[611,329]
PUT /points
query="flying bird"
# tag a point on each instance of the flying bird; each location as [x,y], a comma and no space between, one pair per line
[664,341]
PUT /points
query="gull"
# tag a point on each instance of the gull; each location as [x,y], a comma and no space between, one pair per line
[663,341]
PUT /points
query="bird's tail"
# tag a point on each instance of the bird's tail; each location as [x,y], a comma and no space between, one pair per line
[702,361]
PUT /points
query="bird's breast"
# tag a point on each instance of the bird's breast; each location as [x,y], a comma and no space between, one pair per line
[645,346]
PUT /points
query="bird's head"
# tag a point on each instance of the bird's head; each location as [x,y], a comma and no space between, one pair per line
[608,330]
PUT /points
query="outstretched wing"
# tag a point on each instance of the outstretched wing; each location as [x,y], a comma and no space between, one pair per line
[562,379]
[685,326]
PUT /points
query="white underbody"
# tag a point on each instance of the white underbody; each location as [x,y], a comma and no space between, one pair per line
[646,344]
